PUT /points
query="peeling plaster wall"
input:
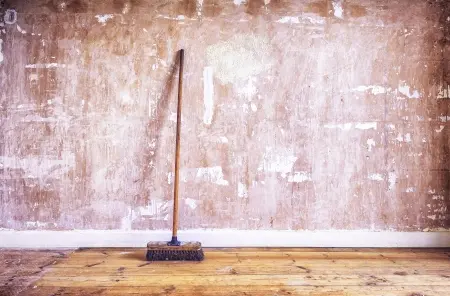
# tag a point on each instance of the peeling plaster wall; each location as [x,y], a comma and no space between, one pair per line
[312,115]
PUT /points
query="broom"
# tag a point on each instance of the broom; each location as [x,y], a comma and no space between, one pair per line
[175,250]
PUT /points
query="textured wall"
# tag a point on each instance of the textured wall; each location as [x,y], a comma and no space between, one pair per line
[297,114]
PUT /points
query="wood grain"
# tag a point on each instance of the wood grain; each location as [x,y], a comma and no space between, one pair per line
[251,272]
[19,269]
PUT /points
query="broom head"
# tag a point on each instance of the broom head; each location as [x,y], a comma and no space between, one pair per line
[182,251]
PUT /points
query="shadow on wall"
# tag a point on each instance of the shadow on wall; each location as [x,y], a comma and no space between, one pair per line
[444,101]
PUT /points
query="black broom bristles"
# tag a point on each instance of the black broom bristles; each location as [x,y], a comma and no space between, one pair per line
[174,251]
[175,255]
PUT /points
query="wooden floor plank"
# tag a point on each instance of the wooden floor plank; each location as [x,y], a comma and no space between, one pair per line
[242,291]
[248,280]
[211,264]
[245,272]
[253,267]
[213,254]
[20,268]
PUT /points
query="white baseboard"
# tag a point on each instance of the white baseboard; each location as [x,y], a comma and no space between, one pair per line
[224,238]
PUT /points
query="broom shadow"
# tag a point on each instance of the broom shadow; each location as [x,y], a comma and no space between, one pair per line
[155,126]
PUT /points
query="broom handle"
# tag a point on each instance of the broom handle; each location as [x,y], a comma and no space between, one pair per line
[177,152]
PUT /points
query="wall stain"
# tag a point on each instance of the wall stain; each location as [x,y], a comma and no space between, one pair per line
[72,6]
[354,10]
[124,6]
[255,7]
[212,8]
[320,7]
[187,8]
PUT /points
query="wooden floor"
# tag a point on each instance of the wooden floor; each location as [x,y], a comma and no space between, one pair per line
[244,272]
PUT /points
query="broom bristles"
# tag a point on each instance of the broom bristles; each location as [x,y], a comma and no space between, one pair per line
[174,255]
[163,251]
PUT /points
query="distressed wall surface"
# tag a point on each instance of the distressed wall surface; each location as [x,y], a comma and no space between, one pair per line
[297,114]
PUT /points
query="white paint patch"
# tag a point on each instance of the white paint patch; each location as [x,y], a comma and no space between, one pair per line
[37,224]
[350,125]
[366,125]
[33,77]
[199,7]
[45,66]
[441,210]
[376,177]
[299,177]
[289,20]
[208,94]
[444,92]
[178,18]
[192,203]
[42,167]
[239,2]
[374,89]
[317,21]
[266,2]
[444,118]
[223,139]
[157,209]
[242,190]
[21,30]
[344,127]
[407,137]
[410,189]
[441,128]
[370,144]
[173,117]
[10,17]
[212,174]
[437,197]
[240,57]
[249,90]
[1,51]
[245,108]
[338,10]
[254,108]
[277,160]
[405,89]
[392,180]
[103,18]
[127,220]
[432,217]
[125,97]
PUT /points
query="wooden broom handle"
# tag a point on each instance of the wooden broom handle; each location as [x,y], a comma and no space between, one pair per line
[177,149]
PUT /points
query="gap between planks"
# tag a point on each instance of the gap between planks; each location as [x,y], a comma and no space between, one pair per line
[252,272]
